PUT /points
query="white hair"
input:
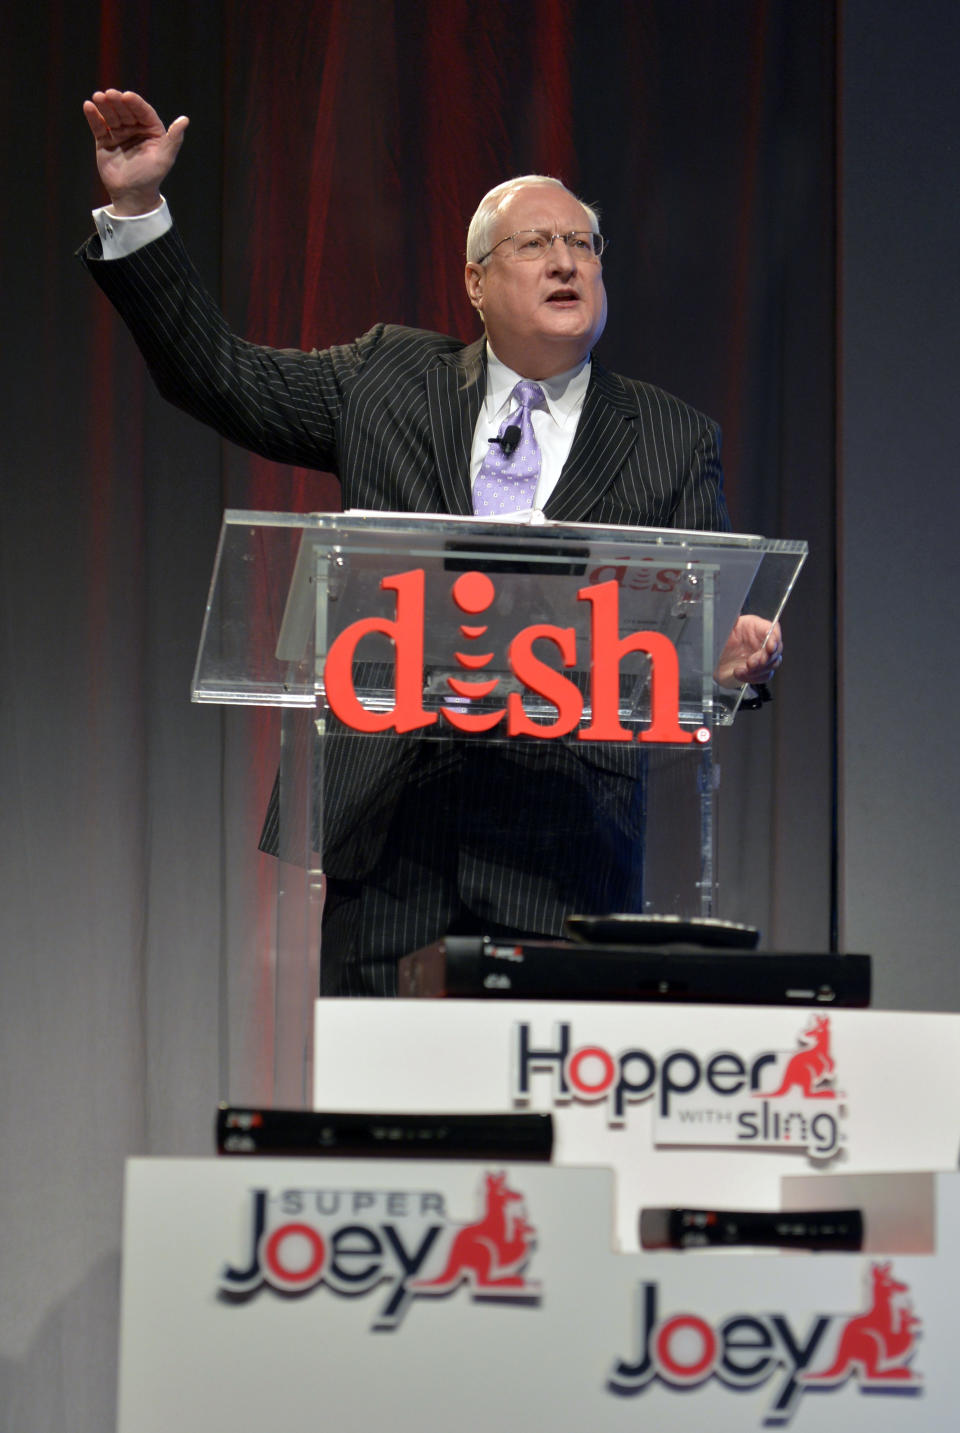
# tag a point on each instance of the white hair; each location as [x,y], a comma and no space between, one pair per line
[480,232]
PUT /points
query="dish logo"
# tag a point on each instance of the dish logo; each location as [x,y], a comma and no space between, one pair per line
[771,1099]
[354,1241]
[473,593]
[747,1350]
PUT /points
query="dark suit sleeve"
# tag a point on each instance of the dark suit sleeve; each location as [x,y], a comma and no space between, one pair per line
[281,403]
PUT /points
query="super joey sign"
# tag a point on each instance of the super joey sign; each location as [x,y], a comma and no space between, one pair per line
[473,593]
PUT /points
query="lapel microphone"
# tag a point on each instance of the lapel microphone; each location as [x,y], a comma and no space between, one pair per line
[509,440]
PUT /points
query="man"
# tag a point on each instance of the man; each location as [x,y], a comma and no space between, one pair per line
[416,421]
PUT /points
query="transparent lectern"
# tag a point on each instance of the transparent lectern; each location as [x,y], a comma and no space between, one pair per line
[558,678]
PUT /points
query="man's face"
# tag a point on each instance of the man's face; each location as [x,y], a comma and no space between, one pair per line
[544,315]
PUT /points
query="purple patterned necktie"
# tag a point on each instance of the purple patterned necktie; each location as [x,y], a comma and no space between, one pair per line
[509,484]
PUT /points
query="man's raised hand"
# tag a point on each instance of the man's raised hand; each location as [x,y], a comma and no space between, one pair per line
[135,153]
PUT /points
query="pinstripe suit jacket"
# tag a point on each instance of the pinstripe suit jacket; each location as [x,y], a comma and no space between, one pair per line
[393,415]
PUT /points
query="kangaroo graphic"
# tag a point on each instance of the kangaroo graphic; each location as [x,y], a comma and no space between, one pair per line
[880,1343]
[810,1066]
[491,1252]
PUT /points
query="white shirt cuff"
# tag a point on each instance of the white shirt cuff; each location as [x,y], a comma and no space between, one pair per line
[120,236]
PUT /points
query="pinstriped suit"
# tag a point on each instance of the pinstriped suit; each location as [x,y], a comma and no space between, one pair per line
[393,415]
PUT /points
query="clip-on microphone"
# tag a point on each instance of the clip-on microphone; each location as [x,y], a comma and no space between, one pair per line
[509,440]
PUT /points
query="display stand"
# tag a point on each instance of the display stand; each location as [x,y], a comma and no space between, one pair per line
[425,1294]
[484,638]
[299,1293]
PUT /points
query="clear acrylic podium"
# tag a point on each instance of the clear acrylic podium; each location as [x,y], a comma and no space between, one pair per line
[381,635]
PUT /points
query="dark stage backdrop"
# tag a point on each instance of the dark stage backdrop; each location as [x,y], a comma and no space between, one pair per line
[335,154]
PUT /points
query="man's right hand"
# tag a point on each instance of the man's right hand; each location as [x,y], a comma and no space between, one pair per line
[135,153]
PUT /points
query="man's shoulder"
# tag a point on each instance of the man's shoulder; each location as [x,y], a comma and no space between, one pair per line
[644,399]
[398,340]
[409,354]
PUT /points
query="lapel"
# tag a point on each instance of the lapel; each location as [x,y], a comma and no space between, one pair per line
[606,433]
[455,389]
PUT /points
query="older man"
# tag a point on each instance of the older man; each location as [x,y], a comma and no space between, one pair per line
[416,421]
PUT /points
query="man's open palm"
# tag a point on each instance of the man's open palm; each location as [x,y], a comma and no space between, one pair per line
[135,152]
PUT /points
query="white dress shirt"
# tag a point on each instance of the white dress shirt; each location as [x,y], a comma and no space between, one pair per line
[121,235]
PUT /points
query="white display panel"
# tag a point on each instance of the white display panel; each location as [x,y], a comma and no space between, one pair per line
[572,1337]
[872,1090]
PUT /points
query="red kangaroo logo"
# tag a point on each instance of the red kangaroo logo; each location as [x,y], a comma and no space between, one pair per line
[809,1067]
[490,1253]
[879,1344]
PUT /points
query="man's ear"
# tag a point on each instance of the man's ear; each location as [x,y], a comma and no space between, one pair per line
[473,278]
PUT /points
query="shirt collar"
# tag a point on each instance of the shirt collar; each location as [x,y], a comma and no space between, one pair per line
[564,393]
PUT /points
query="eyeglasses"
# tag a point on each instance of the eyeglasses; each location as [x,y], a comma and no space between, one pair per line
[537,243]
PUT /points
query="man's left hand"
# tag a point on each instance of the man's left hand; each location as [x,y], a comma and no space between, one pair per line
[753,652]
